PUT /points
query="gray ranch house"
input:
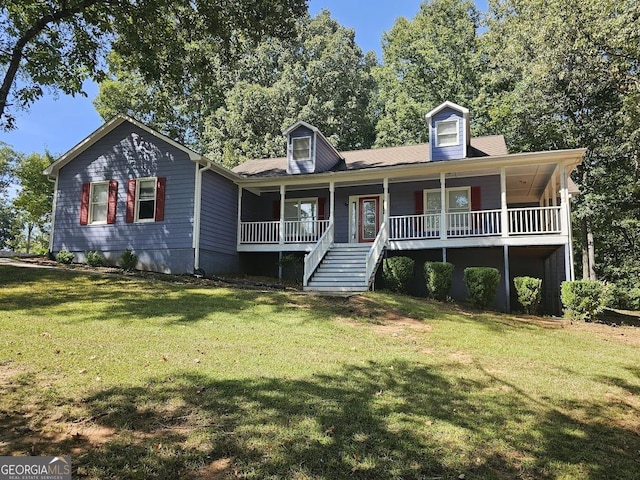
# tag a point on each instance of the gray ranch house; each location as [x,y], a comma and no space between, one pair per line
[458,199]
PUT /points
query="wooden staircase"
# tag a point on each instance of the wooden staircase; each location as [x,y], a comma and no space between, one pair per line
[343,269]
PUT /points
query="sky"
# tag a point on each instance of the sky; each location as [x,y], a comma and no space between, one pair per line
[58,122]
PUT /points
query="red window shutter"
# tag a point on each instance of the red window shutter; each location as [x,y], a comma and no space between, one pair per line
[276,210]
[131,201]
[84,203]
[418,198]
[160,193]
[476,200]
[321,208]
[113,201]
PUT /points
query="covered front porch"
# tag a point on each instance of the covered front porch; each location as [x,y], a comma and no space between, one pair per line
[428,207]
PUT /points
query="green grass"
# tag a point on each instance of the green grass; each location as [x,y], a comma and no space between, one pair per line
[139,379]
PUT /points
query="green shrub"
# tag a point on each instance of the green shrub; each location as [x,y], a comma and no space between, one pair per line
[583,299]
[128,260]
[438,276]
[482,285]
[529,290]
[64,256]
[292,267]
[624,298]
[397,273]
[94,259]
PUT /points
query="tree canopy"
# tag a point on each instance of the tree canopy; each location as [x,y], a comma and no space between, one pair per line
[238,112]
[58,44]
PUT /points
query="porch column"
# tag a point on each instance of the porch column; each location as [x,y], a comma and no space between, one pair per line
[554,191]
[282,190]
[443,207]
[564,221]
[504,214]
[507,278]
[385,203]
[239,215]
[332,200]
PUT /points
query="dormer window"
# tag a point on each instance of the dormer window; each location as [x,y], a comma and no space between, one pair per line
[447,133]
[301,148]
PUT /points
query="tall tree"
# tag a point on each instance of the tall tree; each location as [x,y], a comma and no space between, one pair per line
[566,76]
[8,159]
[237,112]
[321,77]
[426,61]
[34,200]
[58,44]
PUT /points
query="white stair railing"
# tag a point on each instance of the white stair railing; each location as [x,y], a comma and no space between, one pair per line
[375,252]
[317,253]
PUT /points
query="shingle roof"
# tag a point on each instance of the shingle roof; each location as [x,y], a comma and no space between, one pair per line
[375,157]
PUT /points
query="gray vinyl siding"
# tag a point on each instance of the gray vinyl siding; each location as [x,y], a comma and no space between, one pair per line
[452,152]
[218,224]
[125,153]
[326,157]
[295,167]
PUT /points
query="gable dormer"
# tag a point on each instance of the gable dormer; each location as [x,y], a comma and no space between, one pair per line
[308,151]
[448,132]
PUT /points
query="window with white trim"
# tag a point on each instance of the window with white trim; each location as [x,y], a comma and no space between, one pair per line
[301,148]
[98,202]
[458,201]
[447,133]
[146,199]
[303,211]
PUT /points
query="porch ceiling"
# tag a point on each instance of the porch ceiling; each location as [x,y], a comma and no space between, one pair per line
[526,183]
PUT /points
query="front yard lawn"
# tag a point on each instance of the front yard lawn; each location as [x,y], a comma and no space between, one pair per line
[139,378]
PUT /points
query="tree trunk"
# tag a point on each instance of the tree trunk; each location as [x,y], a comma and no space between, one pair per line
[591,252]
[585,251]
[29,230]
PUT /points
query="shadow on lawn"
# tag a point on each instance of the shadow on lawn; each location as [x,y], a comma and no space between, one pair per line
[120,298]
[372,422]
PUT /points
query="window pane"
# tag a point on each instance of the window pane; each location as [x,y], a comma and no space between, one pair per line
[447,133]
[148,189]
[459,200]
[291,210]
[99,213]
[99,193]
[301,148]
[433,202]
[448,128]
[146,209]
[307,210]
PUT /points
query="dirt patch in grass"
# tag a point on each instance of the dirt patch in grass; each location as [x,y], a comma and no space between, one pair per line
[383,319]
[216,470]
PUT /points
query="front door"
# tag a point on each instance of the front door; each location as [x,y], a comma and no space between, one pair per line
[369,220]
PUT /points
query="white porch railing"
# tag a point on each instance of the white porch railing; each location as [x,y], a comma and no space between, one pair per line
[534,220]
[303,231]
[375,252]
[317,253]
[473,224]
[414,227]
[260,232]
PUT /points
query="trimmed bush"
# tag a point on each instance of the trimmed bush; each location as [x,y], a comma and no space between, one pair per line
[583,299]
[64,256]
[128,260]
[438,276]
[624,298]
[397,273]
[94,259]
[482,285]
[529,290]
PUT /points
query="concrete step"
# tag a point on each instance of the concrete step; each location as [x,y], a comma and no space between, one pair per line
[348,274]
